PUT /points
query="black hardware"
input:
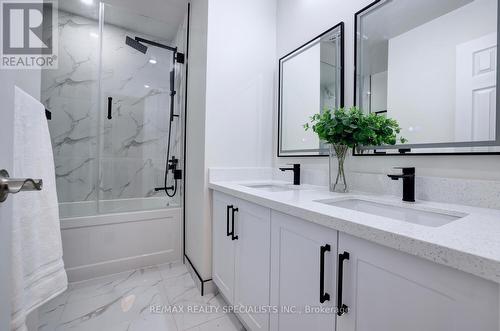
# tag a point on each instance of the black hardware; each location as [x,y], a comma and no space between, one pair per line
[172,163]
[323,296]
[321,153]
[228,233]
[154,43]
[110,108]
[233,237]
[136,45]
[341,307]
[296,173]
[408,177]
[453,147]
[48,114]
[179,57]
[178,174]
[158,189]
[404,150]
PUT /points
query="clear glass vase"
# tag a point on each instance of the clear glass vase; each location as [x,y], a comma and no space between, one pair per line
[338,181]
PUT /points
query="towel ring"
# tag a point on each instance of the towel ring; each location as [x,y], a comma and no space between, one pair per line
[15,185]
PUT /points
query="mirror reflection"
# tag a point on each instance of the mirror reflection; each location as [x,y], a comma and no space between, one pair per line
[432,67]
[311,79]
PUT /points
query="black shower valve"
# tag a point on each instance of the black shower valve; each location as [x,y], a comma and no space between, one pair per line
[172,164]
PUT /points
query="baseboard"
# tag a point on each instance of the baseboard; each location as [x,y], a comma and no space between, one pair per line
[86,272]
[206,286]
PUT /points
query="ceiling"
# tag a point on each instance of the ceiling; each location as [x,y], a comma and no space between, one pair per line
[158,18]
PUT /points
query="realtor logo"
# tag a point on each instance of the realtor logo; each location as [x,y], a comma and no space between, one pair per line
[29,34]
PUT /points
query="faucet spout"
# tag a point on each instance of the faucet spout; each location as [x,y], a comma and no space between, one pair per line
[408,178]
[296,173]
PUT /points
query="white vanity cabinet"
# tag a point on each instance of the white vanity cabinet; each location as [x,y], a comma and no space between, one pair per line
[263,257]
[223,247]
[387,290]
[241,257]
[303,274]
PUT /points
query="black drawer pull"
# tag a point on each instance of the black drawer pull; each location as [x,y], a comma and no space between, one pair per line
[228,233]
[233,237]
[341,307]
[110,108]
[322,295]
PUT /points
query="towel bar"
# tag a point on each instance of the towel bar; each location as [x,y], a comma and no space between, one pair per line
[15,185]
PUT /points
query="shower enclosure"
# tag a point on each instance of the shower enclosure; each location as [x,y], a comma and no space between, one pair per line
[117,104]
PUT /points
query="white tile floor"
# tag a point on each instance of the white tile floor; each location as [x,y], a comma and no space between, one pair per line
[123,302]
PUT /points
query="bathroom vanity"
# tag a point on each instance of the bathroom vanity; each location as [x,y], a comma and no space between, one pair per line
[388,265]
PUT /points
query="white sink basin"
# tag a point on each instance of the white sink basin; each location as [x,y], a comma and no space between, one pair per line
[270,187]
[409,214]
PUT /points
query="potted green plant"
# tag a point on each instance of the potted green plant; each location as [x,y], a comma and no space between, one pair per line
[348,128]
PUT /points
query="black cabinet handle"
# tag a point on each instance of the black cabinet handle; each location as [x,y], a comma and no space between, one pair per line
[110,108]
[341,307]
[322,295]
[228,233]
[233,237]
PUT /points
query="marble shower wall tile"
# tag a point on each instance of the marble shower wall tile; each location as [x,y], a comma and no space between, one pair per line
[125,157]
[125,178]
[76,178]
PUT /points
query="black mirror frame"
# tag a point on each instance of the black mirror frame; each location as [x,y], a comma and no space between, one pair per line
[405,151]
[340,25]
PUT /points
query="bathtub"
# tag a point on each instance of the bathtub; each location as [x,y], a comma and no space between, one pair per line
[126,234]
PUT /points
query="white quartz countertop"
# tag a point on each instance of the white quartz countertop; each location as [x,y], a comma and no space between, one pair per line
[470,244]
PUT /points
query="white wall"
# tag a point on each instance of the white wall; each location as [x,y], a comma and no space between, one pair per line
[301,20]
[229,122]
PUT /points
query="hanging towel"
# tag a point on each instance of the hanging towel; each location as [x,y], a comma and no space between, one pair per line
[38,273]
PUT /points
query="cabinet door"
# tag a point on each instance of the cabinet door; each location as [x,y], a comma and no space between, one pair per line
[387,290]
[295,274]
[222,246]
[252,264]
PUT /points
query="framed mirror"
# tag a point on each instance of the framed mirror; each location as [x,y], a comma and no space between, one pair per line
[311,78]
[432,66]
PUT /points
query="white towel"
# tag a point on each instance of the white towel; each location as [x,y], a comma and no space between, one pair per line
[38,273]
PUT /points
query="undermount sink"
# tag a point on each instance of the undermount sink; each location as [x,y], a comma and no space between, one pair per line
[270,187]
[409,214]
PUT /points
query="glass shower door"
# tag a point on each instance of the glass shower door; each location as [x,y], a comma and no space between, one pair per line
[70,93]
[135,116]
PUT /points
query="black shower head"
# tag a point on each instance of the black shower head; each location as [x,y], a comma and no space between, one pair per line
[136,45]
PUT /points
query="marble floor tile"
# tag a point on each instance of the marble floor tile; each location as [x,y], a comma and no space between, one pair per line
[103,311]
[225,323]
[195,309]
[50,313]
[110,284]
[123,302]
[172,270]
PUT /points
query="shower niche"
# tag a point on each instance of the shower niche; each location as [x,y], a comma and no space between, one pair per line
[117,110]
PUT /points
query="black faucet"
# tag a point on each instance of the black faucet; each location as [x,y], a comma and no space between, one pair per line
[296,173]
[408,177]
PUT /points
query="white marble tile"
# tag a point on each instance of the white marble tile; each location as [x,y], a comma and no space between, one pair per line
[123,302]
[177,287]
[181,292]
[172,270]
[114,284]
[114,308]
[133,145]
[226,323]
[197,309]
[50,313]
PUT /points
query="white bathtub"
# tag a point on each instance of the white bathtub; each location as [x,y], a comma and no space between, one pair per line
[111,242]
